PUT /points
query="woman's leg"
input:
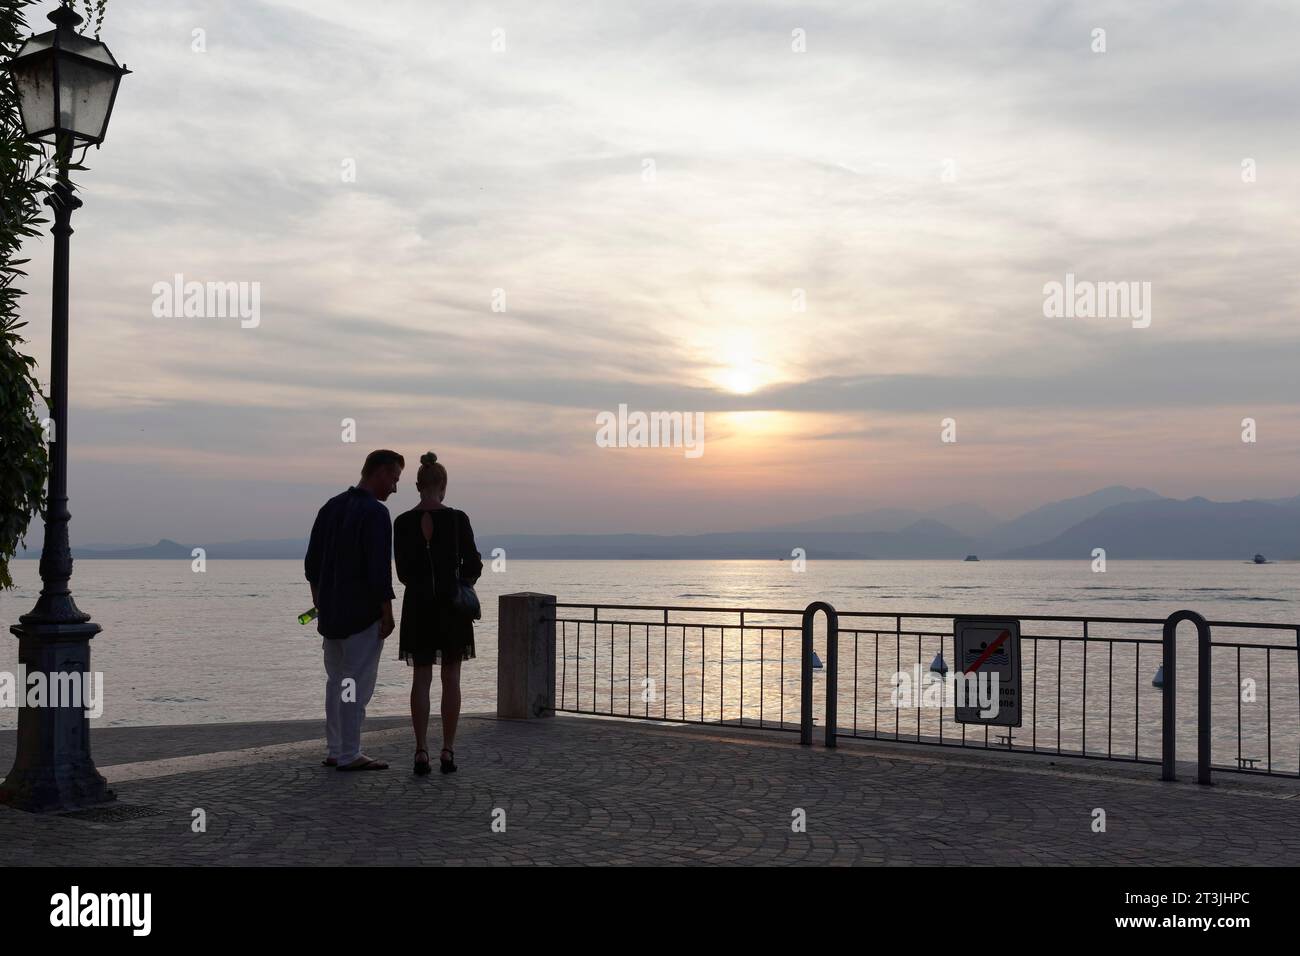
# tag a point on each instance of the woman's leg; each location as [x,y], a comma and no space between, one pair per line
[421,680]
[450,702]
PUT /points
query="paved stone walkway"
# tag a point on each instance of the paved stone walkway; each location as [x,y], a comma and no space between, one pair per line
[584,791]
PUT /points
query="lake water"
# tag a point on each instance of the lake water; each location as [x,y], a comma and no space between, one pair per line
[184,647]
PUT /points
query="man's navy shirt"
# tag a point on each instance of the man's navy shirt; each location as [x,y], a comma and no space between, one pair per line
[350,560]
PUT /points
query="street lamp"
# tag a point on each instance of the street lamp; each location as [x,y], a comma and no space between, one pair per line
[66,86]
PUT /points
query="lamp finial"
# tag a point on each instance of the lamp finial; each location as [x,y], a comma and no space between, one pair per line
[65,16]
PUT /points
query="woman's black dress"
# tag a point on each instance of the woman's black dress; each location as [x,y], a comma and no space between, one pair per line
[431,632]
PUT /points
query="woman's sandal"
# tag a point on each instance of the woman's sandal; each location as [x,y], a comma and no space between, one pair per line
[447,766]
[422,766]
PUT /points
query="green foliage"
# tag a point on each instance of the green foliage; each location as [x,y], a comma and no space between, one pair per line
[24,462]
[94,14]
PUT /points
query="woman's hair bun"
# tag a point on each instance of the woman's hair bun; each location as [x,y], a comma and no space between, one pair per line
[428,458]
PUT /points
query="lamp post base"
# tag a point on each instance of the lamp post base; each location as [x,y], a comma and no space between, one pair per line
[53,769]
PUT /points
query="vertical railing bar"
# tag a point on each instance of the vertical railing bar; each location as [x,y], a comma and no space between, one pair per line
[683,626]
[781,696]
[898,664]
[875,687]
[1268,711]
[806,677]
[704,669]
[1204,715]
[742,668]
[552,668]
[762,671]
[856,635]
[1110,694]
[941,694]
[832,709]
[956,664]
[665,708]
[1238,706]
[915,699]
[1083,713]
[1033,737]
[1060,652]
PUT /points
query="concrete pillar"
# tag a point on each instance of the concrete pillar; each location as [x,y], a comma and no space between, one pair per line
[526,655]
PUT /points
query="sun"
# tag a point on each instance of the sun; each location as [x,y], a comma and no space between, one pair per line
[740,371]
[740,379]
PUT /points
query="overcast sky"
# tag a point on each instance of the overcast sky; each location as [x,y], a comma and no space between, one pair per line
[649,183]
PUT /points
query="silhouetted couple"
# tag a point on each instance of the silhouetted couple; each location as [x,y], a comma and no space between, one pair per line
[349,566]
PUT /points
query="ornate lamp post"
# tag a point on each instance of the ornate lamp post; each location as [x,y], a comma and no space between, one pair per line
[66,86]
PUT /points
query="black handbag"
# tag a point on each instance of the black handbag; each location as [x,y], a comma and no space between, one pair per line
[464,602]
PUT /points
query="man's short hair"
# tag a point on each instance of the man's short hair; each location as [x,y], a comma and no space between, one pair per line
[381,459]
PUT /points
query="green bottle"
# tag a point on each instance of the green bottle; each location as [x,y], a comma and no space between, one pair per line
[306,617]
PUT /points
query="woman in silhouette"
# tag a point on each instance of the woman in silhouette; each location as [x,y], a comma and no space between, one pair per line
[434,549]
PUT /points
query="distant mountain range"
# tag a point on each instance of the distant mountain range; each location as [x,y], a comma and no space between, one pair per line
[964,518]
[1192,529]
[167,549]
[1134,523]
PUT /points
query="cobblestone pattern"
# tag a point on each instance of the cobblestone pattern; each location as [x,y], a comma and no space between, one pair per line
[578,791]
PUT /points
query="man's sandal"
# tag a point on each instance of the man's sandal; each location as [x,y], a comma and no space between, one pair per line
[368,765]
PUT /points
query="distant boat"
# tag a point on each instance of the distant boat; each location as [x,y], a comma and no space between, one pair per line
[1260,559]
[972,557]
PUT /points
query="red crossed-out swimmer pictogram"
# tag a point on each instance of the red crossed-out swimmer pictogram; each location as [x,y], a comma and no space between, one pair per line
[988,652]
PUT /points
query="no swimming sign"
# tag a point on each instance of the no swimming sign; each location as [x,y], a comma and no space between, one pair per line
[988,671]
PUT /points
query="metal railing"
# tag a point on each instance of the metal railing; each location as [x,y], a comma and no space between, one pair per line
[1090,684]
[1237,694]
[671,663]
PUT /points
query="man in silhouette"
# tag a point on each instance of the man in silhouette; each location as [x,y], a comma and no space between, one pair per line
[349,567]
